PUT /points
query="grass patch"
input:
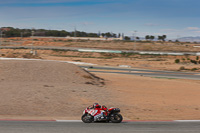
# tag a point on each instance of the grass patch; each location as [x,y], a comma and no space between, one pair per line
[77,60]
[59,50]
[127,54]
[194,69]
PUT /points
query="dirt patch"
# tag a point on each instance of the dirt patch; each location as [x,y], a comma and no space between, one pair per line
[46,89]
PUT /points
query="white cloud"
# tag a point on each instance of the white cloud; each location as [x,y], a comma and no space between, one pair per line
[169,30]
[192,28]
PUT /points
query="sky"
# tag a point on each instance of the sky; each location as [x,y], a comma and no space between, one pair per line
[174,18]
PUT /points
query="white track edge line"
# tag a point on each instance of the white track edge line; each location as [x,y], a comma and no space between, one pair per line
[133,121]
[68,121]
[186,120]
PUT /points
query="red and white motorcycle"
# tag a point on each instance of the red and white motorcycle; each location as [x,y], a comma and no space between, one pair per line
[100,115]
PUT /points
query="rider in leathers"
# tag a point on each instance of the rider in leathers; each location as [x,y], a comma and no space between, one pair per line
[102,109]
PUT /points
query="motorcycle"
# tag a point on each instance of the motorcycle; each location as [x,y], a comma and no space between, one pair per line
[99,115]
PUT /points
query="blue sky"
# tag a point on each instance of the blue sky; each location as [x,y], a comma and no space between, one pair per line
[175,18]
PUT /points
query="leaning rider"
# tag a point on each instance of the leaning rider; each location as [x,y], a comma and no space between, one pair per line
[96,106]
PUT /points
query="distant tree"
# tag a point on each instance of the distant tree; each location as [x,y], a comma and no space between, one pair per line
[92,35]
[159,37]
[152,37]
[164,37]
[127,38]
[137,38]
[108,34]
[147,37]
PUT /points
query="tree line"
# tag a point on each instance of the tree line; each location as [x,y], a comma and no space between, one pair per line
[150,37]
[16,32]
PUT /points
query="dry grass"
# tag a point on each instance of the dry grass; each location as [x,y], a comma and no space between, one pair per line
[161,62]
[118,45]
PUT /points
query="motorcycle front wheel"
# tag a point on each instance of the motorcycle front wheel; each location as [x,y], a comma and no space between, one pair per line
[86,118]
[116,118]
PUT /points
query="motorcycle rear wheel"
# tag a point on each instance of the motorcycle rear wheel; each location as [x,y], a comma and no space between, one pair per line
[116,118]
[86,118]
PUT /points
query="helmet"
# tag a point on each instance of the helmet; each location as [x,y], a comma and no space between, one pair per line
[96,105]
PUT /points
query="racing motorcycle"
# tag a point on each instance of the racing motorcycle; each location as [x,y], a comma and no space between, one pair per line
[96,115]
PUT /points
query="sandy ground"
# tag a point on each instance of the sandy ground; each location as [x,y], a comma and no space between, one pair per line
[144,98]
[109,59]
[49,90]
[46,89]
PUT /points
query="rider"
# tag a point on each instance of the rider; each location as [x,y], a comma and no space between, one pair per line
[96,106]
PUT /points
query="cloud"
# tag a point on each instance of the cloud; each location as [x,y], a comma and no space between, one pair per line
[154,24]
[169,30]
[193,28]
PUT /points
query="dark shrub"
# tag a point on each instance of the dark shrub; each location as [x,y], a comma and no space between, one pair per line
[177,61]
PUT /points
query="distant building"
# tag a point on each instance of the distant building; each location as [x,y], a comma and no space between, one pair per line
[93,38]
[5,29]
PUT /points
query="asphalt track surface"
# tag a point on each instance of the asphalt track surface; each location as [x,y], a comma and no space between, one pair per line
[144,72]
[80,127]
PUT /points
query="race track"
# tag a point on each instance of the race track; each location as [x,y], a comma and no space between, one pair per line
[144,72]
[79,127]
